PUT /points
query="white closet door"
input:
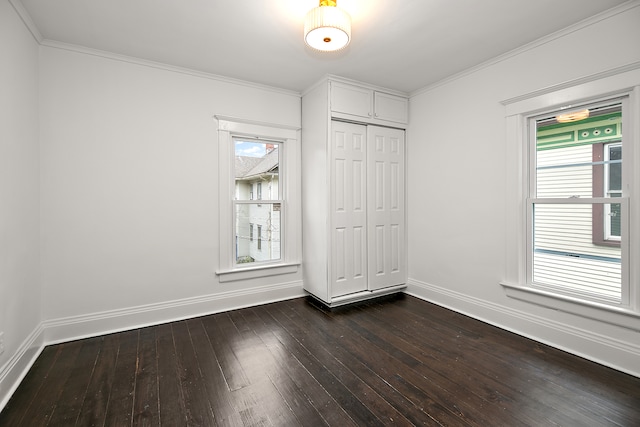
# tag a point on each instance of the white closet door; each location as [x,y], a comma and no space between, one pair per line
[349,231]
[385,207]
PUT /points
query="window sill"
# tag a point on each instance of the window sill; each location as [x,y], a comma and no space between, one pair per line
[619,316]
[256,272]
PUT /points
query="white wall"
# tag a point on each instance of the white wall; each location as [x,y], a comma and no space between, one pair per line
[19,205]
[130,193]
[456,195]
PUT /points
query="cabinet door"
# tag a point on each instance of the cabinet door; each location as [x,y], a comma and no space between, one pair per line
[348,208]
[350,99]
[391,108]
[385,207]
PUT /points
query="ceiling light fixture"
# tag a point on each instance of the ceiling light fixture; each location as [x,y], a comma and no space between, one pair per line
[327,27]
[574,116]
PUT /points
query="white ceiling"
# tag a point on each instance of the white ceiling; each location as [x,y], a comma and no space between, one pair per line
[399,44]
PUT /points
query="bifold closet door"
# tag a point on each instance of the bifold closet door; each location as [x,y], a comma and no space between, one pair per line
[385,207]
[348,206]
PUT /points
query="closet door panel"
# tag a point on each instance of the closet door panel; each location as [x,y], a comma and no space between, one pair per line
[348,211]
[386,213]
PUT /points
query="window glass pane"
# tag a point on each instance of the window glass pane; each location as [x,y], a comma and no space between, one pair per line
[565,257]
[257,170]
[579,156]
[612,221]
[258,232]
[614,168]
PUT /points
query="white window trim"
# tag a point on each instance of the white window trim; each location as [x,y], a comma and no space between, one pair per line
[228,128]
[518,111]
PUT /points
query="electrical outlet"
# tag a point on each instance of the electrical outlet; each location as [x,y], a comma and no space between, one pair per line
[1,342]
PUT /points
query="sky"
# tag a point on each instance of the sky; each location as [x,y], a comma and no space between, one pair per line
[250,149]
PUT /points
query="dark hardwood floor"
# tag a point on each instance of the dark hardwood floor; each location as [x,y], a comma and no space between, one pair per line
[395,361]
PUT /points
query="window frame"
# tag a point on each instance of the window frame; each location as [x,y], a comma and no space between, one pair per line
[229,129]
[621,83]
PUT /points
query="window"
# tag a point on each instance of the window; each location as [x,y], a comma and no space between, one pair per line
[257,162]
[574,203]
[572,218]
[258,239]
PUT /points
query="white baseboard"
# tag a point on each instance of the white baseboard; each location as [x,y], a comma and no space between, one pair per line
[620,355]
[95,324]
[106,322]
[14,371]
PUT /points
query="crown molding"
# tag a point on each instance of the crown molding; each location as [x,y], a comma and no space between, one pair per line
[534,44]
[162,66]
[26,19]
[632,66]
[39,38]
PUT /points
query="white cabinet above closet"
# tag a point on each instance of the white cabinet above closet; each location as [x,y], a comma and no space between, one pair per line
[355,102]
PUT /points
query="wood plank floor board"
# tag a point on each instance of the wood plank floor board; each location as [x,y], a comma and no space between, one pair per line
[146,406]
[170,389]
[119,410]
[93,407]
[198,409]
[218,393]
[391,361]
[219,337]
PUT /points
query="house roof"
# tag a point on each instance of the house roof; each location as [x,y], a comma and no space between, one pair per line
[247,167]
